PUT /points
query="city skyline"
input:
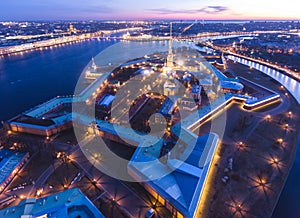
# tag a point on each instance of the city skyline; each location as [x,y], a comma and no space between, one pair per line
[132,10]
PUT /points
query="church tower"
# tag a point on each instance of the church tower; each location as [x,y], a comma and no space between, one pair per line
[93,65]
[170,54]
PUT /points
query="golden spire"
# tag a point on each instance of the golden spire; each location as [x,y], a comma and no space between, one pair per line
[170,54]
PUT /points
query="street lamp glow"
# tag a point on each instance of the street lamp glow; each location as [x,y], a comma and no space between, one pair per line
[280,140]
[180,62]
[268,117]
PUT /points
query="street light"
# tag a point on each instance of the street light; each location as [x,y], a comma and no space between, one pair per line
[280,141]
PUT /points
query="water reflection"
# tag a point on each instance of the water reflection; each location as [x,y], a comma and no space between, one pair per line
[292,85]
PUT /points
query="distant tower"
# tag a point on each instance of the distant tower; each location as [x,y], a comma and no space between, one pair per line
[170,54]
[71,28]
[92,71]
[224,61]
[93,65]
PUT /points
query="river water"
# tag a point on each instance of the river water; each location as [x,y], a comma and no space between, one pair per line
[35,77]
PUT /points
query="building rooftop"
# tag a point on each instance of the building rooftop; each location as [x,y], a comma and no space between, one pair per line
[167,106]
[107,100]
[184,174]
[196,89]
[71,203]
[41,109]
[122,131]
[232,85]
[92,88]
[9,160]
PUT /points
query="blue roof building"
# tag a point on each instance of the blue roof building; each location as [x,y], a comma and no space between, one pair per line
[107,100]
[10,163]
[71,203]
[184,174]
[168,106]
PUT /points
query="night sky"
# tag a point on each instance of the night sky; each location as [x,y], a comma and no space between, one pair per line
[16,10]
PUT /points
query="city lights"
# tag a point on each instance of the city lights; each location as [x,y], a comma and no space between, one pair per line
[182,118]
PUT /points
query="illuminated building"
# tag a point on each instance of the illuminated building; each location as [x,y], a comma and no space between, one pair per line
[171,86]
[231,86]
[191,102]
[195,93]
[168,107]
[70,203]
[180,189]
[104,105]
[10,164]
[36,121]
[72,29]
[227,84]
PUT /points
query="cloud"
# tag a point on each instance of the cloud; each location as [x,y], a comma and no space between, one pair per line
[215,9]
[205,10]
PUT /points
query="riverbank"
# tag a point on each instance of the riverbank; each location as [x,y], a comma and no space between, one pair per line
[45,44]
[261,160]
[252,61]
[288,205]
[35,77]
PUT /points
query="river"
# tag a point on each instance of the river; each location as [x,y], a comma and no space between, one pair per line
[35,77]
